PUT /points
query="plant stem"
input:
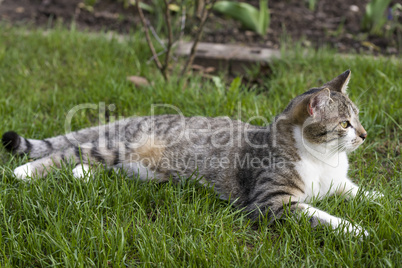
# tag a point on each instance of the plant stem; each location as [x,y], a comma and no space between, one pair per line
[170,38]
[151,46]
[205,15]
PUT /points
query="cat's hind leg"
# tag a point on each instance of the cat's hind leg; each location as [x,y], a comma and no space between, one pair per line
[82,171]
[41,166]
[24,171]
[80,156]
[132,170]
[137,170]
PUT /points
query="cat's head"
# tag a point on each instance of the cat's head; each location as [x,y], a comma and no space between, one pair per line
[328,117]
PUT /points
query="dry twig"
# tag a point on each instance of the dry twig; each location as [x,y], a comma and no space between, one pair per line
[205,15]
[170,37]
[151,46]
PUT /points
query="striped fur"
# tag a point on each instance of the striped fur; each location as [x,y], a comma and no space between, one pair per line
[265,170]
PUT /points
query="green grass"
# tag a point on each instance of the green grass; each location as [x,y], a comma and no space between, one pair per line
[115,221]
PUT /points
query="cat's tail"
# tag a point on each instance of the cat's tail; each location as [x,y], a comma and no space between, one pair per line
[39,148]
[36,148]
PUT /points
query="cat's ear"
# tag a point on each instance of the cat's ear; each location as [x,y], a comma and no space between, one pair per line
[339,83]
[319,101]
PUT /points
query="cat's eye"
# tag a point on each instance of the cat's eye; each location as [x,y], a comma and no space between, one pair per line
[345,124]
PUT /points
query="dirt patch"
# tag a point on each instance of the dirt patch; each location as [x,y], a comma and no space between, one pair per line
[333,23]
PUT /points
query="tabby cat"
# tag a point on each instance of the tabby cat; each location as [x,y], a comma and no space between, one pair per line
[265,170]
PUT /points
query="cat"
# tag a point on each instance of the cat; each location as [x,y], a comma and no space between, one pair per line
[263,170]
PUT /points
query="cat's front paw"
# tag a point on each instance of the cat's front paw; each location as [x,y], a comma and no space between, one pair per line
[356,230]
[373,195]
[23,172]
[349,228]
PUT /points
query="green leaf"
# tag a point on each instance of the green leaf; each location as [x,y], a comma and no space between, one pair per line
[375,18]
[142,5]
[146,7]
[250,17]
[218,84]
[235,85]
[263,17]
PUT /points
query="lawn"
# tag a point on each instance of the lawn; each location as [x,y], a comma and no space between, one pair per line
[115,221]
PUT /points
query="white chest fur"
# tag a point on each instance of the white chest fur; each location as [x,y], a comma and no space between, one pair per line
[322,171]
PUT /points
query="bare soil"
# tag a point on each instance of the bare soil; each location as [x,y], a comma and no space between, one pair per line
[333,23]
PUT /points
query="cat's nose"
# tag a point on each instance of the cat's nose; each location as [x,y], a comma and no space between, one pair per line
[363,135]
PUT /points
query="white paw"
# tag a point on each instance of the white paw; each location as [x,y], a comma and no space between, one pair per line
[353,229]
[357,230]
[373,195]
[82,171]
[23,172]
